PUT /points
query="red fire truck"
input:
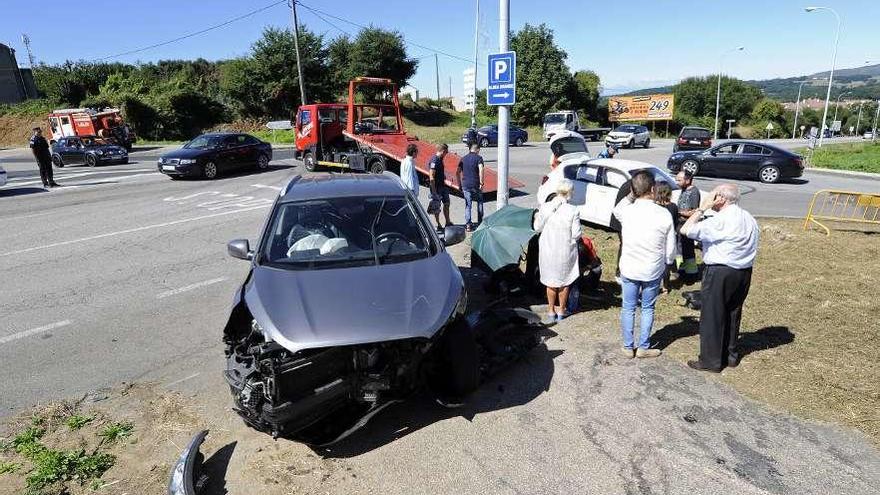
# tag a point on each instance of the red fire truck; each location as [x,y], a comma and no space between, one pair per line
[367,136]
[106,123]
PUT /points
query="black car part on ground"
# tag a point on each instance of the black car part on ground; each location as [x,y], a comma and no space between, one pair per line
[186,474]
[319,396]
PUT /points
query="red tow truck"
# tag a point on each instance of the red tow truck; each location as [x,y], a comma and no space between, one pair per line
[367,135]
[106,123]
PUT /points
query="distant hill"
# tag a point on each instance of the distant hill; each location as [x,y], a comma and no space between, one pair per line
[861,82]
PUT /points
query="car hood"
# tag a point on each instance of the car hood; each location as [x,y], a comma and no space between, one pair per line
[303,309]
[187,153]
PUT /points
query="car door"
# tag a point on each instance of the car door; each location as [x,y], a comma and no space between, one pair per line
[604,200]
[247,151]
[228,157]
[719,160]
[73,151]
[643,135]
[747,160]
[584,178]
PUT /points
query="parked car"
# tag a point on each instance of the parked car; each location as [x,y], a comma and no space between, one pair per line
[741,160]
[868,135]
[88,150]
[210,155]
[693,138]
[313,348]
[2,176]
[567,145]
[488,136]
[629,135]
[596,184]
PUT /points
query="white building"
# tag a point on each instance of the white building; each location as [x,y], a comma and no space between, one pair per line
[468,96]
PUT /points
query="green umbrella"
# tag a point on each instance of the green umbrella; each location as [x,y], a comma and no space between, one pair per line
[501,238]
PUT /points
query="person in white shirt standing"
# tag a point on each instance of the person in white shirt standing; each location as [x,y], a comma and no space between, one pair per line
[408,173]
[730,243]
[649,240]
[560,226]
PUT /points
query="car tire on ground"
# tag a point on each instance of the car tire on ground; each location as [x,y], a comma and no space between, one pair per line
[518,142]
[125,161]
[484,142]
[691,166]
[262,162]
[91,160]
[209,170]
[631,144]
[57,161]
[647,143]
[769,174]
[310,162]
[377,166]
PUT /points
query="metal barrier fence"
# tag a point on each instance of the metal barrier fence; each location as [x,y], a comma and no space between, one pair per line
[843,206]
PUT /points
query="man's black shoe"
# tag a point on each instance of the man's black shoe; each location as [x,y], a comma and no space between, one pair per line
[54,184]
[699,367]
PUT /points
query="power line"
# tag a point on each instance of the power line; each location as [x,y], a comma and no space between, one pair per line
[196,33]
[318,13]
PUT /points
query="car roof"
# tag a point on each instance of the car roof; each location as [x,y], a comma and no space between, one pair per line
[756,143]
[340,185]
[621,164]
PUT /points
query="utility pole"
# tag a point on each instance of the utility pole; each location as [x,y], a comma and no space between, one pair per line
[797,108]
[503,111]
[859,119]
[876,116]
[476,49]
[299,69]
[437,73]
[831,73]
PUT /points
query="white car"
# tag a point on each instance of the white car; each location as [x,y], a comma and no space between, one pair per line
[2,176]
[630,136]
[596,184]
[568,145]
[868,135]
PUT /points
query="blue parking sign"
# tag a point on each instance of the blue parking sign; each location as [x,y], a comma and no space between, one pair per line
[502,79]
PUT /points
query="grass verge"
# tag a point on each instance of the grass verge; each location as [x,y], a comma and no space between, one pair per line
[858,157]
[810,335]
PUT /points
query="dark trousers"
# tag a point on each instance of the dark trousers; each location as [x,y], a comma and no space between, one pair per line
[45,165]
[687,247]
[723,294]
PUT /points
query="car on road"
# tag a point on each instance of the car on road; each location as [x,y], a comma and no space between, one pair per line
[740,160]
[629,135]
[87,150]
[488,136]
[352,303]
[596,184]
[211,155]
[693,138]
[868,135]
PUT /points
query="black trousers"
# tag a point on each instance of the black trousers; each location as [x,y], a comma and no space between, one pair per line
[687,247]
[45,165]
[723,293]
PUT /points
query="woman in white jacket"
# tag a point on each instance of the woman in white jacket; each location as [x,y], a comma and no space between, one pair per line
[560,227]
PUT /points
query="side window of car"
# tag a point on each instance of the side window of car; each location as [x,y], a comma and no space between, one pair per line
[587,173]
[614,179]
[305,117]
[727,149]
[751,149]
[248,139]
[241,139]
[766,151]
[230,142]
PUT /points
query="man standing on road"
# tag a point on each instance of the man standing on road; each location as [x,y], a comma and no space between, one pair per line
[730,243]
[648,246]
[688,202]
[408,173]
[40,148]
[470,179]
[437,182]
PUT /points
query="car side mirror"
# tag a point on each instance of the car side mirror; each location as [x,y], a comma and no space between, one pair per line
[713,152]
[241,249]
[452,235]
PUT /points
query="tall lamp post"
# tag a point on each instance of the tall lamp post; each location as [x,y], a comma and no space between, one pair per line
[830,74]
[797,109]
[837,105]
[859,119]
[718,90]
[876,117]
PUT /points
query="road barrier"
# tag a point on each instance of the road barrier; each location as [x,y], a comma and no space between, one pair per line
[843,206]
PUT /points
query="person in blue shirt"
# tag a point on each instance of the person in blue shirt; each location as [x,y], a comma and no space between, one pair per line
[437,183]
[608,152]
[470,179]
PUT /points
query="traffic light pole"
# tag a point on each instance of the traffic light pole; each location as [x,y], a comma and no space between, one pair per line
[503,112]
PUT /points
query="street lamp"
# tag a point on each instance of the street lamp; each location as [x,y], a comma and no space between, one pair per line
[837,105]
[718,91]
[797,108]
[876,116]
[830,74]
[859,119]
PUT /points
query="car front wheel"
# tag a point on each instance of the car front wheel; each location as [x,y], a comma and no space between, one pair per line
[518,142]
[57,161]
[631,144]
[647,143]
[210,170]
[484,143]
[91,160]
[690,166]
[263,162]
[769,174]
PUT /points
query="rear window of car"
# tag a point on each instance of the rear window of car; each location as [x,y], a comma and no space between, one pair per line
[695,133]
[751,149]
[564,146]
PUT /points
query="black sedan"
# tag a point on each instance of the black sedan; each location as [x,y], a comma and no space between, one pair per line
[740,160]
[209,155]
[488,136]
[88,150]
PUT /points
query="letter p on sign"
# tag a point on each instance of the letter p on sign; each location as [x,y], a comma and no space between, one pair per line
[500,69]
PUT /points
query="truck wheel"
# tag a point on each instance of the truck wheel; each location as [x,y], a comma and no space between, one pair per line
[484,143]
[57,161]
[91,160]
[310,162]
[377,166]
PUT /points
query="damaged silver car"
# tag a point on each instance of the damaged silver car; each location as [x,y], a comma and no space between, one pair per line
[352,303]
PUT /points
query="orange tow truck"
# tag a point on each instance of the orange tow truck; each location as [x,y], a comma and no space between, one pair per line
[367,135]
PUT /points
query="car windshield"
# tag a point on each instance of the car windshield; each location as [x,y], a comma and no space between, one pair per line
[564,146]
[345,232]
[695,133]
[554,118]
[204,142]
[627,128]
[90,142]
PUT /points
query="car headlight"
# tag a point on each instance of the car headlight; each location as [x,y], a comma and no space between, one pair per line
[186,475]
[187,161]
[99,152]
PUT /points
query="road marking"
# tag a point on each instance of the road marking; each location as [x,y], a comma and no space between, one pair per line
[127,231]
[23,181]
[190,377]
[190,287]
[34,331]
[219,201]
[263,186]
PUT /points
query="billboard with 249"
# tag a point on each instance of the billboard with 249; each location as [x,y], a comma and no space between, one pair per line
[639,108]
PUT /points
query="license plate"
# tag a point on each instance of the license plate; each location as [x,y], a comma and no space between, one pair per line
[694,142]
[168,167]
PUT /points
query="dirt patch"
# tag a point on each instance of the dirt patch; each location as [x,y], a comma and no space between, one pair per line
[15,130]
[811,335]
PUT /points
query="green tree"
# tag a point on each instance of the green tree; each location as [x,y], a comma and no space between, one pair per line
[695,100]
[543,80]
[374,52]
[585,93]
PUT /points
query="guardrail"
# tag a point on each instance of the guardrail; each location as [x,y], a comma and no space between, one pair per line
[843,206]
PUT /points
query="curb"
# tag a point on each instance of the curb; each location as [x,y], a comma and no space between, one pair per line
[844,173]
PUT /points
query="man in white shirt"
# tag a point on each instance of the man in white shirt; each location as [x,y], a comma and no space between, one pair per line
[408,173]
[730,243]
[649,240]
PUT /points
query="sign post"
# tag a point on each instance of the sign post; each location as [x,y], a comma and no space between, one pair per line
[769,128]
[501,92]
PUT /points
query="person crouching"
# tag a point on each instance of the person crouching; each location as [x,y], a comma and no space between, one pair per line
[559,224]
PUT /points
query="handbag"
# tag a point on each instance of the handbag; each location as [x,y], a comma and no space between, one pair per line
[434,206]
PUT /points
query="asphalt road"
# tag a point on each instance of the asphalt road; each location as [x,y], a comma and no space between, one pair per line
[121,275]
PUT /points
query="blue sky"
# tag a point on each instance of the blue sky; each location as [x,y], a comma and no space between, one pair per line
[641,43]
